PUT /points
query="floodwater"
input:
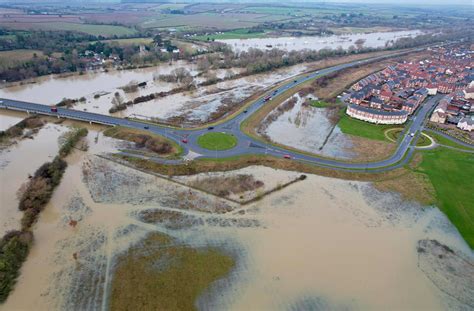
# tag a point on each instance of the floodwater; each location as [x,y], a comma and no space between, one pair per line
[310,129]
[17,162]
[320,243]
[372,40]
[50,90]
[9,118]
[196,105]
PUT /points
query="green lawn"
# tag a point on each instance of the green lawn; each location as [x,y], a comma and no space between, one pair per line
[360,128]
[234,34]
[447,142]
[217,141]
[451,173]
[423,141]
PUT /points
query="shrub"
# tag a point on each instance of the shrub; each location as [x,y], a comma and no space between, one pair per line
[14,247]
[72,139]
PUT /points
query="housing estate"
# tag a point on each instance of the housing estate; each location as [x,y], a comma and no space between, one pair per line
[391,95]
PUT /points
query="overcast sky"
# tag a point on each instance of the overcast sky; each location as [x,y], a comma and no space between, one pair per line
[401,2]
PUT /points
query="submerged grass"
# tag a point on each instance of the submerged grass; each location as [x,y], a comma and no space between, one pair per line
[161,274]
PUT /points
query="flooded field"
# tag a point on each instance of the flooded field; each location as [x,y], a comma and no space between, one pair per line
[310,129]
[308,246]
[372,40]
[99,89]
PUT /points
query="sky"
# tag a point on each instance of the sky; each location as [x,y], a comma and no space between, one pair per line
[401,2]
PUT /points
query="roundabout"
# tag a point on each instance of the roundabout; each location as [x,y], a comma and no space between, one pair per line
[217,141]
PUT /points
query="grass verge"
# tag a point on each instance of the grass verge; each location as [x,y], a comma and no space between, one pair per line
[144,139]
[161,274]
[447,142]
[451,173]
[217,141]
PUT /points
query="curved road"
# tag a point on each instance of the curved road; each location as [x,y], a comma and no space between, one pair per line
[246,144]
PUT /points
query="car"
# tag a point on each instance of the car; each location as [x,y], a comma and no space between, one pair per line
[287,156]
[146,127]
[245,111]
[54,109]
[210,128]
[412,134]
[294,81]
[275,91]
[184,140]
[267,98]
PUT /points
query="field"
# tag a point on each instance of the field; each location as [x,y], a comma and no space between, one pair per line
[217,141]
[8,58]
[360,128]
[234,34]
[130,41]
[208,20]
[351,30]
[451,173]
[161,274]
[143,139]
[95,30]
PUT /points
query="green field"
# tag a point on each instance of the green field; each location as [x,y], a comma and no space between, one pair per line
[360,128]
[217,141]
[14,57]
[234,34]
[130,41]
[451,173]
[95,30]
[446,142]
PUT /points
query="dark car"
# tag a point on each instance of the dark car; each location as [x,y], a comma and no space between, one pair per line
[54,109]
[146,127]
[267,98]
[245,111]
[294,81]
[184,140]
[210,128]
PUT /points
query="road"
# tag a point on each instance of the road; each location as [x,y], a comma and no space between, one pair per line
[246,144]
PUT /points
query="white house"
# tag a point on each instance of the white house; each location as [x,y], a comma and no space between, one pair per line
[466,124]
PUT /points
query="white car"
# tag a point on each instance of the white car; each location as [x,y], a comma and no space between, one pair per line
[412,134]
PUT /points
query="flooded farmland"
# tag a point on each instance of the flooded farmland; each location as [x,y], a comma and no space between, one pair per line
[309,129]
[99,91]
[371,40]
[320,243]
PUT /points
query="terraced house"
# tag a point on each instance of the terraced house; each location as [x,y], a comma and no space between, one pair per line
[391,95]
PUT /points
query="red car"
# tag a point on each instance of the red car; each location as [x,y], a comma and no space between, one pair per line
[184,140]
[287,156]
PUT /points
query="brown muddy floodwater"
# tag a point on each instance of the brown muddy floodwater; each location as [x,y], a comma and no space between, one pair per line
[17,162]
[321,243]
[196,105]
